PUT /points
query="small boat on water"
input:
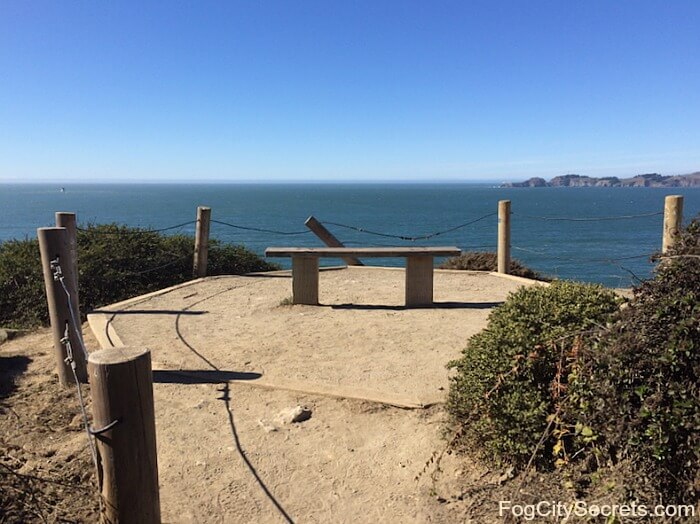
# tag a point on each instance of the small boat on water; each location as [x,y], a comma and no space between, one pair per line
[63,190]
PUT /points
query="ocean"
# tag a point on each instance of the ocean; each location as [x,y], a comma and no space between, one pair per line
[611,252]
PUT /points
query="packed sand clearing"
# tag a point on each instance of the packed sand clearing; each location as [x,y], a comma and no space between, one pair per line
[359,343]
[227,451]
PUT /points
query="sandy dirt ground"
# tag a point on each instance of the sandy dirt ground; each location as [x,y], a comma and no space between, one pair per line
[223,453]
[46,471]
[360,343]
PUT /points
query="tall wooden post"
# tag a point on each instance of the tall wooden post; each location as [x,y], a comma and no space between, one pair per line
[201,242]
[69,221]
[329,239]
[121,384]
[504,236]
[673,218]
[53,244]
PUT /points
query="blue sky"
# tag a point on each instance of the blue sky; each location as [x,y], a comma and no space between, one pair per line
[347,90]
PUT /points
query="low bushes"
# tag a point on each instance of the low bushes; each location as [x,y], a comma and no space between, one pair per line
[637,385]
[484,261]
[504,380]
[115,263]
[563,376]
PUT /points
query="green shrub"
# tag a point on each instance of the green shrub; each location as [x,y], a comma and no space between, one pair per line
[22,297]
[115,263]
[484,261]
[637,385]
[501,393]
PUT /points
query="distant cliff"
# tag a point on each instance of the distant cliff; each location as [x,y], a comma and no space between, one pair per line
[648,180]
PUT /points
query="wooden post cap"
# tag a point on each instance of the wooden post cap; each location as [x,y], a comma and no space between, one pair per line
[118,355]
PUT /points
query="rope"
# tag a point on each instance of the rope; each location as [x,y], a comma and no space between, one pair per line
[590,219]
[58,276]
[679,256]
[93,450]
[404,237]
[139,231]
[150,270]
[261,230]
[570,259]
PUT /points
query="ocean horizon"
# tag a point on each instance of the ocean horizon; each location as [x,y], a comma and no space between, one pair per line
[561,232]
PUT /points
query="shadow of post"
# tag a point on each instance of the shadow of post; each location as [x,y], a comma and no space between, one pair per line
[11,367]
[203,376]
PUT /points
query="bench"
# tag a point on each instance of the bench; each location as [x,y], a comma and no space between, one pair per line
[419,268]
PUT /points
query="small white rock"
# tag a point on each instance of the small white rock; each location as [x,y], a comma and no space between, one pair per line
[294,415]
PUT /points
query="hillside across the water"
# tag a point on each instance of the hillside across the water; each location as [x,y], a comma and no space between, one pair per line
[648,180]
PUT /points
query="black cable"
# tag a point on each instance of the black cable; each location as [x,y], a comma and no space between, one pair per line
[137,231]
[150,270]
[590,219]
[572,259]
[261,230]
[408,238]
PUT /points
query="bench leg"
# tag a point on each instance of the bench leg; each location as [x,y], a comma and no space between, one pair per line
[305,280]
[419,281]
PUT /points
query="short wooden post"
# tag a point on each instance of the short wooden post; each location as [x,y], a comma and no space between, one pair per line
[504,236]
[201,242]
[121,384]
[305,280]
[419,281]
[53,245]
[329,239]
[673,218]
[69,221]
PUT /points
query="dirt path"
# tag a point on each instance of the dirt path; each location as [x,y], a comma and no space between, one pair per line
[223,455]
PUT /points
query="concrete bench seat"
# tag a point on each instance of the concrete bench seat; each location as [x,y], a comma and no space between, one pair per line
[419,268]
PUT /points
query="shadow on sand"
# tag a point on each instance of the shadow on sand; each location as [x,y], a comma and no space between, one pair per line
[203,376]
[435,305]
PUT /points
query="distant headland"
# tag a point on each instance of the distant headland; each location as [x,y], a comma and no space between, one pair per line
[647,180]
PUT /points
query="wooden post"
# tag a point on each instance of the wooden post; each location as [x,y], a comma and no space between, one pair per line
[201,242]
[329,239]
[419,281]
[121,384]
[504,236]
[305,280]
[673,218]
[69,221]
[53,245]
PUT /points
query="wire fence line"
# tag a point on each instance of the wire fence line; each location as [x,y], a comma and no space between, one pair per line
[407,237]
[260,230]
[177,258]
[588,219]
[138,230]
[70,360]
[578,259]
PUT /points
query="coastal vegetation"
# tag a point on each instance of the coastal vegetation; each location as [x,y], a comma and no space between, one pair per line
[116,262]
[603,397]
[504,380]
[488,261]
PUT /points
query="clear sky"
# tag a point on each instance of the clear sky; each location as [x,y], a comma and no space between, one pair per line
[347,90]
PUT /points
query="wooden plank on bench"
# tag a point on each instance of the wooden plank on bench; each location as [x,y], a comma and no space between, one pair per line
[377,252]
